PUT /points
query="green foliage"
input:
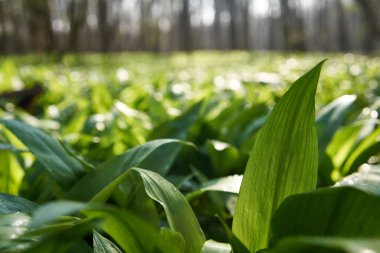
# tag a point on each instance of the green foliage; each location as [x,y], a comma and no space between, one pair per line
[135,153]
[283,161]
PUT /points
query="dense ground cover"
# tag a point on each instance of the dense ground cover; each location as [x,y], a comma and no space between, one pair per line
[192,119]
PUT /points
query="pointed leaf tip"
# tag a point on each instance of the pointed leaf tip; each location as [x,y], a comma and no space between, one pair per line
[283,161]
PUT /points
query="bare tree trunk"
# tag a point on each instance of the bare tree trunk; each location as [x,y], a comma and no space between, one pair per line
[342,27]
[40,24]
[285,17]
[233,39]
[186,38]
[218,25]
[369,10]
[103,26]
[2,34]
[77,11]
[246,17]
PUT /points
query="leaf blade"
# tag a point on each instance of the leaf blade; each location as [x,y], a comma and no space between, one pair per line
[180,216]
[63,168]
[286,143]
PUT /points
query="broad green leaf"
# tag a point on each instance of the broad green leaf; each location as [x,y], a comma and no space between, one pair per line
[131,195]
[326,245]
[230,184]
[212,246]
[178,127]
[367,179]
[130,232]
[174,238]
[67,238]
[11,227]
[283,161]
[342,144]
[236,245]
[330,119]
[178,211]
[63,168]
[11,173]
[224,157]
[349,210]
[367,147]
[52,211]
[352,144]
[100,183]
[12,204]
[103,245]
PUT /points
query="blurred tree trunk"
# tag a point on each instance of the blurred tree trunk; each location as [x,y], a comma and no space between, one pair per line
[232,35]
[185,26]
[102,25]
[246,17]
[39,23]
[2,34]
[342,27]
[218,24]
[77,12]
[285,18]
[146,32]
[370,11]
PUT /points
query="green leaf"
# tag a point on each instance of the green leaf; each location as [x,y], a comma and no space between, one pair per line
[100,183]
[131,233]
[52,211]
[230,184]
[67,237]
[367,179]
[63,168]
[103,245]
[342,144]
[236,244]
[283,161]
[224,157]
[178,127]
[179,214]
[174,238]
[13,204]
[212,246]
[11,173]
[13,226]
[330,119]
[367,147]
[349,210]
[326,245]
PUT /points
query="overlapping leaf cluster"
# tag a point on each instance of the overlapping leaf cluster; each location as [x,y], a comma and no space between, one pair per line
[123,164]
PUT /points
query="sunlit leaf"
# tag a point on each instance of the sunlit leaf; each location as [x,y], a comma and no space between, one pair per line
[178,211]
[230,184]
[62,167]
[368,146]
[13,204]
[351,209]
[103,245]
[178,127]
[331,117]
[11,227]
[11,173]
[131,233]
[326,245]
[283,162]
[100,183]
[212,246]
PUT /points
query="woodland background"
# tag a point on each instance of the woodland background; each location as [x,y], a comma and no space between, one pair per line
[184,25]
